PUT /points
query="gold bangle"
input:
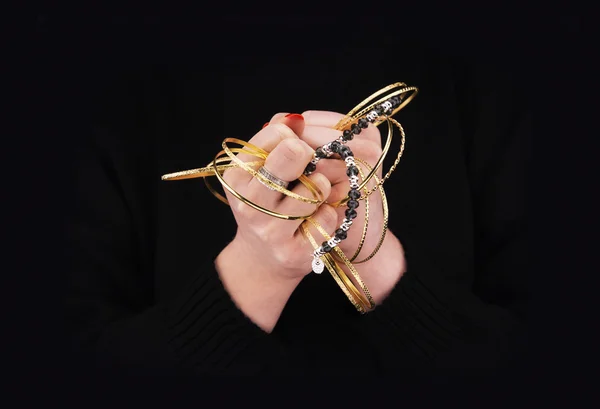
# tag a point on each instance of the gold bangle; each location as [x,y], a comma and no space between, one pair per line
[396,162]
[385,208]
[358,111]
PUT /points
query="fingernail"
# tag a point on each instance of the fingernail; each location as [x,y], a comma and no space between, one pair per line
[295,116]
[265,125]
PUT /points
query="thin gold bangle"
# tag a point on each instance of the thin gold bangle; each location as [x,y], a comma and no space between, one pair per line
[385,208]
[307,182]
[257,175]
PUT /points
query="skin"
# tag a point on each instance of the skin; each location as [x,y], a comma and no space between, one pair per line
[268,257]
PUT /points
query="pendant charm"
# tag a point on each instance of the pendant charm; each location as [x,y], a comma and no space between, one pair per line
[317,265]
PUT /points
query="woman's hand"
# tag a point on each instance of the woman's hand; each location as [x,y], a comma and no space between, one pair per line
[383,271]
[268,257]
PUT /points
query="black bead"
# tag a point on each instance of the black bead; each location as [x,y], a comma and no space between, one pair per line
[320,153]
[350,214]
[363,122]
[348,135]
[395,101]
[335,146]
[352,204]
[354,194]
[341,234]
[326,247]
[378,110]
[345,152]
[356,129]
[310,168]
[352,171]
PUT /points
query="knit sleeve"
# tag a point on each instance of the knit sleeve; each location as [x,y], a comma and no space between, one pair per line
[116,322]
[480,323]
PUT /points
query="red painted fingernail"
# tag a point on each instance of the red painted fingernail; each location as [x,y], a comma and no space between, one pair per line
[295,116]
[265,125]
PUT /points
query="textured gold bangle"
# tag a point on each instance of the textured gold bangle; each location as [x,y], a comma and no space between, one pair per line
[396,162]
[384,205]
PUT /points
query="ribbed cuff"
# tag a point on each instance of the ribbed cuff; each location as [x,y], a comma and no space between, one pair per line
[432,318]
[415,319]
[209,333]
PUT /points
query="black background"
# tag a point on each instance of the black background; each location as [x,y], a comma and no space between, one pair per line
[75,59]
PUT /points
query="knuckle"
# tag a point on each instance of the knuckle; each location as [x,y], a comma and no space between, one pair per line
[287,257]
[242,209]
[292,150]
[264,231]
[228,176]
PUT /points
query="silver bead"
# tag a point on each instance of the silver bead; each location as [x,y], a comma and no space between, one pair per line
[346,224]
[371,116]
[350,161]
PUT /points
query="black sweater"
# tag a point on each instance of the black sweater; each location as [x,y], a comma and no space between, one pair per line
[144,296]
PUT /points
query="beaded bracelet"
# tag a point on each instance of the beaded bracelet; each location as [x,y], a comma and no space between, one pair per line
[338,146]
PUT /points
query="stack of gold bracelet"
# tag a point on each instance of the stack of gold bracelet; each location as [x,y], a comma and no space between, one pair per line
[376,109]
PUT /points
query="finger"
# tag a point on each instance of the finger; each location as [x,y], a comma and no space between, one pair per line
[330,119]
[327,119]
[267,139]
[317,136]
[277,117]
[264,138]
[333,169]
[295,207]
[362,148]
[294,121]
[286,162]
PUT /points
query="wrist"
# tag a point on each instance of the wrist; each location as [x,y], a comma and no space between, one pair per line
[384,270]
[258,289]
